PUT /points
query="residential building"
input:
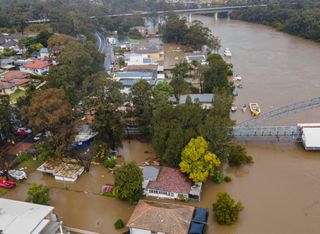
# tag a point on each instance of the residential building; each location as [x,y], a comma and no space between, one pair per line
[153,217]
[151,51]
[25,218]
[196,58]
[169,183]
[11,80]
[44,54]
[138,59]
[204,99]
[36,67]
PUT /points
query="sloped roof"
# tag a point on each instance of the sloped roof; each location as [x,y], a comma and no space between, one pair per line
[161,217]
[171,180]
[37,64]
[11,75]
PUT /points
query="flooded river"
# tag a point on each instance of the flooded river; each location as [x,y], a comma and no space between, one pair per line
[280,191]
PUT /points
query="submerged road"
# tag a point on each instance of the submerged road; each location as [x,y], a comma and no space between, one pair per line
[104,47]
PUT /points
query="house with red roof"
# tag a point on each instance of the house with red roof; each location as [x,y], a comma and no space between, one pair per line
[169,183]
[11,80]
[36,67]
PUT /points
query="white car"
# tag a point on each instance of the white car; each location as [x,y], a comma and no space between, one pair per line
[27,130]
[17,174]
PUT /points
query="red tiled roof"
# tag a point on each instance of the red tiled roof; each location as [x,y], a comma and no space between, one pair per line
[14,75]
[37,64]
[171,180]
[6,85]
[20,82]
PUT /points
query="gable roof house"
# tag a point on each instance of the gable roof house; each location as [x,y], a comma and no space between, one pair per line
[151,217]
[36,67]
[169,183]
[10,81]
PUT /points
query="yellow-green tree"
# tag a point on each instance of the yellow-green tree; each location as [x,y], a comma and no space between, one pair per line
[197,161]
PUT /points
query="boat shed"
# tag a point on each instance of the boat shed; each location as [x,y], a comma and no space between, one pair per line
[311,138]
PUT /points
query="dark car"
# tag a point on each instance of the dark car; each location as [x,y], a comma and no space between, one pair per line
[1,172]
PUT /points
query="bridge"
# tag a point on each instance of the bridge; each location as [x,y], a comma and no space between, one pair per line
[190,11]
[258,127]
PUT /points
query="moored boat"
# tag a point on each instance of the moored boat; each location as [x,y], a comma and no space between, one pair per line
[237,77]
[227,52]
[234,108]
[255,109]
[244,107]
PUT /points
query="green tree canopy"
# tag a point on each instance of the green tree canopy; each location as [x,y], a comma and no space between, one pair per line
[109,121]
[142,99]
[38,194]
[128,182]
[197,161]
[226,210]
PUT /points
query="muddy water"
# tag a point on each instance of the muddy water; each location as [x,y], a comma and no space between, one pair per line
[80,204]
[280,191]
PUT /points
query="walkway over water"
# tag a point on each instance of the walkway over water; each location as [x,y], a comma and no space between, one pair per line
[266,132]
[281,112]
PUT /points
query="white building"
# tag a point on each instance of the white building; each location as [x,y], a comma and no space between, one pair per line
[44,53]
[36,67]
[310,134]
[18,217]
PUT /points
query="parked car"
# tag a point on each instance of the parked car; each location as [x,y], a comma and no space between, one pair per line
[7,184]
[27,130]
[21,133]
[37,137]
[1,172]
[17,174]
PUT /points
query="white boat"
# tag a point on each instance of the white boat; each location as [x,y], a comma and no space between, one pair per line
[227,52]
[234,108]
[237,77]
[17,174]
[84,137]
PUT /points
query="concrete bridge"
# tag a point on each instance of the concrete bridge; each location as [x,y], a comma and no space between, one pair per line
[190,12]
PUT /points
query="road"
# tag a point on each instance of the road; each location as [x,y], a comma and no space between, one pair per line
[104,47]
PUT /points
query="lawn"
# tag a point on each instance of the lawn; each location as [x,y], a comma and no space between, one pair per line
[18,93]
[2,192]
[30,165]
[137,40]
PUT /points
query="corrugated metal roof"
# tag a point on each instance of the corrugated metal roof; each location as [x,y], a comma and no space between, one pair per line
[311,138]
[21,217]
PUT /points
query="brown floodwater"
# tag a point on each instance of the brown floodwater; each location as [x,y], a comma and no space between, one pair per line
[280,191]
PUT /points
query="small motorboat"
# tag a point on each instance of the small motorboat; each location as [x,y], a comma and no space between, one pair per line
[235,93]
[7,184]
[227,52]
[240,86]
[237,77]
[244,107]
[234,108]
[255,109]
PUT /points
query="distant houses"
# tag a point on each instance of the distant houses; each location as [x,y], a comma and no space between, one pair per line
[204,99]
[153,217]
[169,183]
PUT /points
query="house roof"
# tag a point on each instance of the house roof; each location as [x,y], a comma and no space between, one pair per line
[161,217]
[6,85]
[150,173]
[21,217]
[171,180]
[43,50]
[145,49]
[36,64]
[146,67]
[11,75]
[202,98]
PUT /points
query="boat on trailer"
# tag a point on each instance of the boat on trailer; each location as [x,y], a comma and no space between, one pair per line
[255,109]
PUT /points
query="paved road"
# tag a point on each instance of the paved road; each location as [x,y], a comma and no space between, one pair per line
[106,48]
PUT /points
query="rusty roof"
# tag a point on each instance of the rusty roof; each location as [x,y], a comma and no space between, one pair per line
[161,217]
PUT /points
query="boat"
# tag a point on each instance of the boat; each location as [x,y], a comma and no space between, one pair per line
[227,52]
[17,174]
[240,86]
[235,93]
[84,137]
[234,108]
[237,77]
[7,184]
[244,107]
[255,109]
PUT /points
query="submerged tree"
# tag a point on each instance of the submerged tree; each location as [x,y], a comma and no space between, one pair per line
[128,182]
[38,194]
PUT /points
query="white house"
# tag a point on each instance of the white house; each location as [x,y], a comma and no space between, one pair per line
[44,53]
[169,183]
[25,218]
[36,67]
